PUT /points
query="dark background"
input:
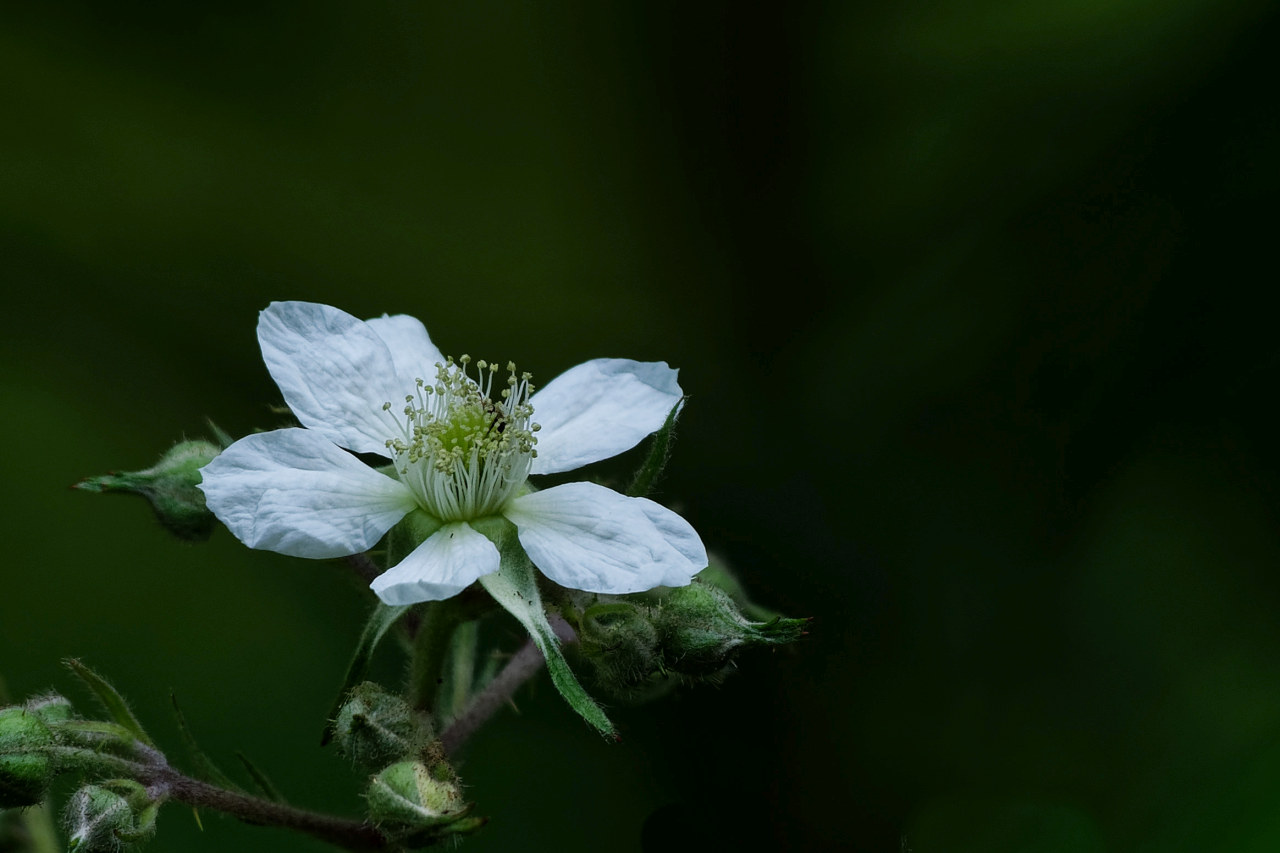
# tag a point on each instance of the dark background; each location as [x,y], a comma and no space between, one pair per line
[974,302]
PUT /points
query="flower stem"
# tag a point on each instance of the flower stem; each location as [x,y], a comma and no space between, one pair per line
[163,782]
[342,832]
[524,664]
[430,647]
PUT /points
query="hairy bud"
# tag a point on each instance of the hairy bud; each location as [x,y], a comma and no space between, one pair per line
[619,642]
[375,728]
[25,766]
[171,488]
[701,630]
[417,803]
[112,816]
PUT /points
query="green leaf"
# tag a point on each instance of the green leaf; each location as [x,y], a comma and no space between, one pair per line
[380,621]
[515,587]
[659,452]
[205,768]
[260,780]
[110,699]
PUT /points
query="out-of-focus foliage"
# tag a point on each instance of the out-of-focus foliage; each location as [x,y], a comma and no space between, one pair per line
[973,303]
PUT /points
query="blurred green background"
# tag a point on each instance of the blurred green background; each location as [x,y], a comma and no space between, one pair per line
[974,302]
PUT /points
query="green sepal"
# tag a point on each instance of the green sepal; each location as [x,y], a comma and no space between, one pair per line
[515,587]
[220,435]
[99,736]
[146,824]
[111,700]
[380,621]
[260,780]
[659,452]
[205,768]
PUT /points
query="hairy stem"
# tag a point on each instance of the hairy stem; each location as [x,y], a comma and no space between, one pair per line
[342,832]
[430,648]
[150,768]
[524,664]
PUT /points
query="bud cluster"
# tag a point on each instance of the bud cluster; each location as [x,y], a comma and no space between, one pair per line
[415,796]
[44,738]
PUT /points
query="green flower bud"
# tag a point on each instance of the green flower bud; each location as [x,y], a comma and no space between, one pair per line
[417,804]
[115,815]
[619,642]
[701,630]
[25,766]
[171,488]
[374,728]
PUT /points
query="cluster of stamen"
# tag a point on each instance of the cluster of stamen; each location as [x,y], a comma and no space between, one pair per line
[462,452]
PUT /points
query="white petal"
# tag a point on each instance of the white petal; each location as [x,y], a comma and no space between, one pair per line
[335,373]
[295,492]
[411,349]
[587,537]
[679,535]
[599,409]
[449,561]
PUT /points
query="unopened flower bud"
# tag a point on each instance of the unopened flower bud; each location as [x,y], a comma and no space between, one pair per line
[375,728]
[417,803]
[112,816]
[702,629]
[171,488]
[618,640]
[25,767]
